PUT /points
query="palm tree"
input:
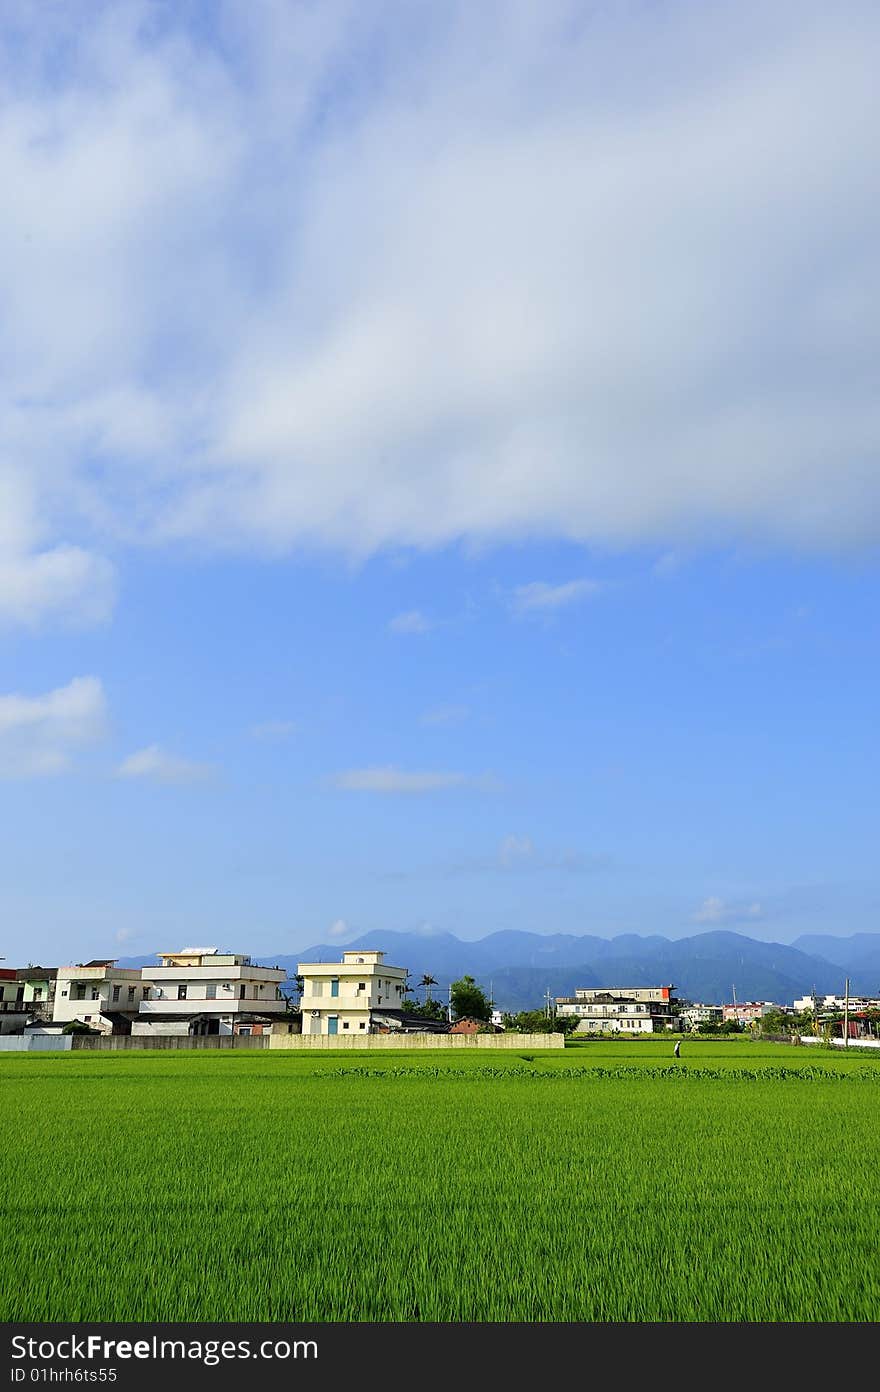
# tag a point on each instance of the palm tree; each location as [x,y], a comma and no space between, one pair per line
[428,981]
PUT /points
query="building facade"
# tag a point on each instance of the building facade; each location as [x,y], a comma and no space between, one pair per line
[747,1012]
[358,995]
[99,994]
[621,1009]
[202,991]
[696,1014]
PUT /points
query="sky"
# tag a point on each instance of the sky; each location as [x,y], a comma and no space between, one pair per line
[439,478]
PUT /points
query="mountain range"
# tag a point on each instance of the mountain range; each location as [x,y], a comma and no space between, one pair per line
[519,968]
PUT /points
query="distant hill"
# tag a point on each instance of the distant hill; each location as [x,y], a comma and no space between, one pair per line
[519,968]
[857,954]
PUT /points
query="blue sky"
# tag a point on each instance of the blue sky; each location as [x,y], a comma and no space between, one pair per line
[439,484]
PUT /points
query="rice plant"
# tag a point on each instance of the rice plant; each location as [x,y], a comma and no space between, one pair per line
[587,1186]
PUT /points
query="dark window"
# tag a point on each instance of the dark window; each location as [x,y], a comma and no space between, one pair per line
[131,993]
[116,993]
[181,993]
[79,992]
[242,991]
[211,991]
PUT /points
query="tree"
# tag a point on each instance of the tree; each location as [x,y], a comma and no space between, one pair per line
[469,1001]
[428,981]
[538,1022]
[431,1010]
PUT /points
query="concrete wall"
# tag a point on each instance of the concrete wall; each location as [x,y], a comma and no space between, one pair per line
[171,1041]
[418,1041]
[33,1043]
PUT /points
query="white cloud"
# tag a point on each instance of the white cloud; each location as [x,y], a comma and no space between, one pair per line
[445,715]
[412,621]
[616,286]
[715,910]
[543,597]
[38,734]
[394,780]
[338,931]
[154,764]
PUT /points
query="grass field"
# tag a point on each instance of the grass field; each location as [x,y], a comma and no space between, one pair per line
[606,1182]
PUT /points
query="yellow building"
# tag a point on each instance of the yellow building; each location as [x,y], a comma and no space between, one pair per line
[359,995]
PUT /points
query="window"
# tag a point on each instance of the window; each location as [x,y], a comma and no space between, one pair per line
[131,993]
[96,994]
[211,991]
[345,1024]
[362,1025]
[116,993]
[334,986]
[317,989]
[79,992]
[146,992]
[242,991]
[362,986]
[38,993]
[244,1031]
[181,993]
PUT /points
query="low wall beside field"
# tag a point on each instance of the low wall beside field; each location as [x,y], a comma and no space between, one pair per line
[417,1041]
[117,1042]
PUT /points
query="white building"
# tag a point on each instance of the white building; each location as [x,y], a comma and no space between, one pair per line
[621,1009]
[820,1003]
[202,991]
[697,1014]
[100,994]
[358,995]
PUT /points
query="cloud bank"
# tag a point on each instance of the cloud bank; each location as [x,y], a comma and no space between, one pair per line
[600,273]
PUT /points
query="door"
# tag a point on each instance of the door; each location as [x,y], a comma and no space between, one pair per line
[333,1024]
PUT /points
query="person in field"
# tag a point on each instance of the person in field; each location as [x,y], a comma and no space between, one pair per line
[677,1049]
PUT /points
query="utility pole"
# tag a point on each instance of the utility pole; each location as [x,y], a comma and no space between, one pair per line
[736,1018]
[449,1007]
[846,1014]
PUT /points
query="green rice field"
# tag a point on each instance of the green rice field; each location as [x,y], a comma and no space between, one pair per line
[605,1182]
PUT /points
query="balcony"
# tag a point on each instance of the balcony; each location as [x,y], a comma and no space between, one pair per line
[24,1008]
[199,1005]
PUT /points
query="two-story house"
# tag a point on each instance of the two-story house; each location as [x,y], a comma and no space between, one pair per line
[358,995]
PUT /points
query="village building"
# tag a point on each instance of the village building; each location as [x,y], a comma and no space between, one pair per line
[361,994]
[696,1014]
[747,1012]
[621,1009]
[99,994]
[202,991]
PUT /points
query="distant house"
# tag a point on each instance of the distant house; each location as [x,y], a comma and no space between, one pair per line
[696,1014]
[199,990]
[358,995]
[747,1012]
[13,1013]
[621,1009]
[467,1025]
[99,994]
